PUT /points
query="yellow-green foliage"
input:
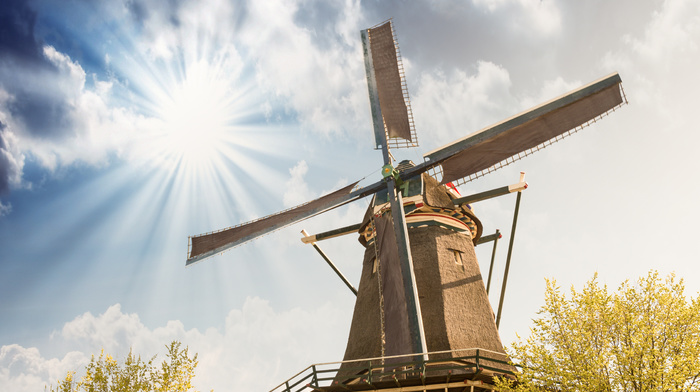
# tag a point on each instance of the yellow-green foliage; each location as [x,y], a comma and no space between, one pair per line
[105,374]
[644,337]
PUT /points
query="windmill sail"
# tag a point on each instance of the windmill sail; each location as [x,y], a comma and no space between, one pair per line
[510,139]
[520,135]
[209,244]
[393,114]
[391,120]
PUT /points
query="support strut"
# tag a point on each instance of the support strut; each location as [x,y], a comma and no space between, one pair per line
[510,253]
[330,263]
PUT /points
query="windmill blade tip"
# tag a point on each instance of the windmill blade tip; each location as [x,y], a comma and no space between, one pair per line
[192,260]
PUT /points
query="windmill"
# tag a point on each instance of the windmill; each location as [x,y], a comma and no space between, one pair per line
[421,300]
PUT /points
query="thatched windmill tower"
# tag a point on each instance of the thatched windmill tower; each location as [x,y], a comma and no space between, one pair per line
[454,306]
[422,319]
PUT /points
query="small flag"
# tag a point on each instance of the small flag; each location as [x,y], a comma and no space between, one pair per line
[453,188]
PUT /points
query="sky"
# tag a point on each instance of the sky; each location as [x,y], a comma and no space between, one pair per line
[127,125]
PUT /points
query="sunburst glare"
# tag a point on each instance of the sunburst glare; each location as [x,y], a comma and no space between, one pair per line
[196,116]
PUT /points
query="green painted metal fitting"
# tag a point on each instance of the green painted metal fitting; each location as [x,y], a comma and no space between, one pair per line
[387,170]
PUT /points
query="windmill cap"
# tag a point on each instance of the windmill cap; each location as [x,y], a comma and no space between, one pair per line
[405,164]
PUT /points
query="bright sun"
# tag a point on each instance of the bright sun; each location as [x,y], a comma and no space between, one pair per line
[196,116]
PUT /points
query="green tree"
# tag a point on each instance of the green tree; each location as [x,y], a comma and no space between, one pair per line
[105,374]
[644,337]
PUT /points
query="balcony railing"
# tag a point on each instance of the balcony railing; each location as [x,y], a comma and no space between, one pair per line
[442,370]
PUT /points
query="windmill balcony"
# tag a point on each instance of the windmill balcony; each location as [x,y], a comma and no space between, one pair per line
[473,368]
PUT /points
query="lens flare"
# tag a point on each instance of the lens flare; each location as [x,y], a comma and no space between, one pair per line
[196,116]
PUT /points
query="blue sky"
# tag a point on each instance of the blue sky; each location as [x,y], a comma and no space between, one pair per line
[129,125]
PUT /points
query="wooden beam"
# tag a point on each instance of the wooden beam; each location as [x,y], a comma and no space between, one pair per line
[308,239]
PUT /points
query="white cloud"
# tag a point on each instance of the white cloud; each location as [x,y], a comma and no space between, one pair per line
[659,65]
[73,81]
[97,127]
[24,369]
[77,121]
[551,89]
[11,157]
[112,330]
[671,34]
[296,189]
[527,16]
[194,29]
[5,208]
[323,84]
[257,348]
[451,105]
